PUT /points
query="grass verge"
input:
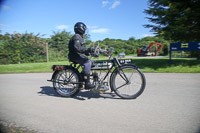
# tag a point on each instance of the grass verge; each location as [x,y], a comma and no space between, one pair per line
[155,65]
[161,65]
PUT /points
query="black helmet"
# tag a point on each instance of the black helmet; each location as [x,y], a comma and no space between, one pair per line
[80,28]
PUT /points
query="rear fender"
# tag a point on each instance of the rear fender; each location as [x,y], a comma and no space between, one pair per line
[58,68]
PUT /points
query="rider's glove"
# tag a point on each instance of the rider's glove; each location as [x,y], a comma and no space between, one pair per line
[90,50]
[95,55]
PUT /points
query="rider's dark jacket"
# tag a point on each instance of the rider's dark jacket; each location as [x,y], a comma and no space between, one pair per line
[77,48]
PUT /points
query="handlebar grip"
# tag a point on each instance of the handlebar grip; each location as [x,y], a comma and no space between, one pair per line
[94,55]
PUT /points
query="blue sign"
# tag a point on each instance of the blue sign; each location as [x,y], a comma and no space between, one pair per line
[188,46]
[183,46]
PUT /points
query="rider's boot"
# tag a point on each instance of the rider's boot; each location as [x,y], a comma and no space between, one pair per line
[88,85]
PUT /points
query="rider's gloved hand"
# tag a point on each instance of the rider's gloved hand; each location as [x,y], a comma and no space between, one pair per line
[95,55]
[90,50]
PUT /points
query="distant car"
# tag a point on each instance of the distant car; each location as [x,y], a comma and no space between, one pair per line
[121,55]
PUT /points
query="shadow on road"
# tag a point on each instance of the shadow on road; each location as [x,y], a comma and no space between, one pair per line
[47,90]
[82,95]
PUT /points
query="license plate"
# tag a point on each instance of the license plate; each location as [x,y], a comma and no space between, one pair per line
[125,61]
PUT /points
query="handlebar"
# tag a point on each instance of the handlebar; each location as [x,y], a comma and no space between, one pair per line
[99,51]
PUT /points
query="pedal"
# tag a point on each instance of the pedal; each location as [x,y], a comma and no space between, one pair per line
[102,92]
[105,88]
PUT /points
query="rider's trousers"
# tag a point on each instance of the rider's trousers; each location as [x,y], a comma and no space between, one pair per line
[86,63]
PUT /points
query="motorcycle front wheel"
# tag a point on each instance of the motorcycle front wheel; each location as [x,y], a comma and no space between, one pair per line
[128,82]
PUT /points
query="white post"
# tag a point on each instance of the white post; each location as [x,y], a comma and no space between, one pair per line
[47,52]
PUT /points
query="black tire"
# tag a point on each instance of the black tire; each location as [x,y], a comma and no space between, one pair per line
[131,88]
[65,82]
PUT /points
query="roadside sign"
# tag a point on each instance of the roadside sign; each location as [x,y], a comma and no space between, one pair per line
[188,46]
[183,46]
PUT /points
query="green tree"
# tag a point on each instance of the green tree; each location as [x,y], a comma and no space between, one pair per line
[178,20]
[58,45]
[87,38]
[60,40]
[21,48]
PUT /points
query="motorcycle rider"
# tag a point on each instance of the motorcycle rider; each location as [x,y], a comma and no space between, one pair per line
[78,53]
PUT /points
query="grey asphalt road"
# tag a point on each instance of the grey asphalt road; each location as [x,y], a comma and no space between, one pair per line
[169,104]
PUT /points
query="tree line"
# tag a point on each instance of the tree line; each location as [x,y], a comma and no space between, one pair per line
[30,47]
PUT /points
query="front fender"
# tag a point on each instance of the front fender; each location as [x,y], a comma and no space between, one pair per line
[117,69]
[136,67]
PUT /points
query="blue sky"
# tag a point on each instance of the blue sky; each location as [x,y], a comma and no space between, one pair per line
[117,19]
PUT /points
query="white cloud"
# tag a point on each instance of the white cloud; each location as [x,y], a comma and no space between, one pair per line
[92,27]
[115,4]
[4,25]
[101,31]
[104,3]
[146,35]
[62,27]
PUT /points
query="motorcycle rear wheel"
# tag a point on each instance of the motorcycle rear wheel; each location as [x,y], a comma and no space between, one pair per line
[66,83]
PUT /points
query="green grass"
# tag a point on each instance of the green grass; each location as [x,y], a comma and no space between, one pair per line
[180,65]
[29,67]
[155,65]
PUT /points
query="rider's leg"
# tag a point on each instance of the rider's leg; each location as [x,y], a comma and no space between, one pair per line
[86,74]
[86,63]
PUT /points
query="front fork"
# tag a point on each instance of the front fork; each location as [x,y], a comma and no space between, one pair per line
[119,71]
[122,75]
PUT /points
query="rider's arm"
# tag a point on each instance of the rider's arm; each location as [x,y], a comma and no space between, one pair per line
[78,45]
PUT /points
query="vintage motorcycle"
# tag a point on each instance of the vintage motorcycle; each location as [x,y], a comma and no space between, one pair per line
[124,78]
